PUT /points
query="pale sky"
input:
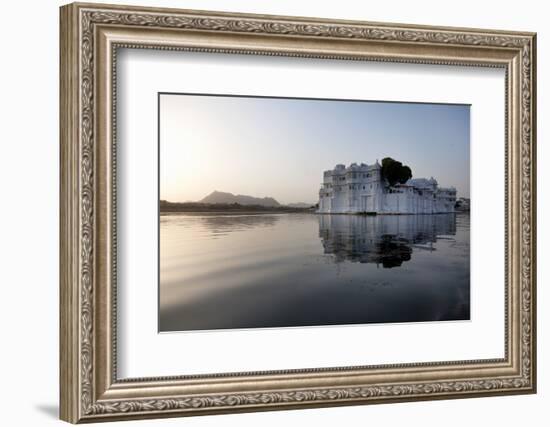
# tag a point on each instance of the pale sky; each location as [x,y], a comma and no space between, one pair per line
[279,147]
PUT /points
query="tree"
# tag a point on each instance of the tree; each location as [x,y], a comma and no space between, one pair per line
[394,172]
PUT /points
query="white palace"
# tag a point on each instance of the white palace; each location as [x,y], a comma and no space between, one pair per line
[362,189]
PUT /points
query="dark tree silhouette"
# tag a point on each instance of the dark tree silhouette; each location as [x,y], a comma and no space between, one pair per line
[394,172]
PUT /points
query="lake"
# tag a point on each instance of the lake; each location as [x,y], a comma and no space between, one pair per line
[220,271]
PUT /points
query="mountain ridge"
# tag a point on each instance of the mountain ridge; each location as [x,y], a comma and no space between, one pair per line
[219,197]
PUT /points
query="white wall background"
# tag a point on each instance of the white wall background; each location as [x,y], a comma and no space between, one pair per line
[29,171]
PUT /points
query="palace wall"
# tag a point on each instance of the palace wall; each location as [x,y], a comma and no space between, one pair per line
[361,189]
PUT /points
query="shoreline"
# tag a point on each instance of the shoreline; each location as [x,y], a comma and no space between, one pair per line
[236,212]
[308,212]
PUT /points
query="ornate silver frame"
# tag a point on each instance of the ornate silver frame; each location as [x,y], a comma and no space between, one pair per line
[90,36]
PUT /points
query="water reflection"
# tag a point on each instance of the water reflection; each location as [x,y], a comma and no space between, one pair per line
[279,270]
[386,240]
[219,224]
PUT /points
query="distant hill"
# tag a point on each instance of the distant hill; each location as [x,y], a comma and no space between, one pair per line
[219,197]
[300,205]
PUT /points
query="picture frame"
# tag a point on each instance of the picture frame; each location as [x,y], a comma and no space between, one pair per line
[91,37]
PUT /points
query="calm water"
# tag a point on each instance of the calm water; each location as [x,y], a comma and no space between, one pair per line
[275,270]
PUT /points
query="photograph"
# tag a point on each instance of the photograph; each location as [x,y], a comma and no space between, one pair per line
[300,212]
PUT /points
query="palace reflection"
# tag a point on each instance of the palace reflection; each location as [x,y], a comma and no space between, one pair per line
[387,240]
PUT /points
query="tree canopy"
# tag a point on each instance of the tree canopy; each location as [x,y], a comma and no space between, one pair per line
[395,172]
